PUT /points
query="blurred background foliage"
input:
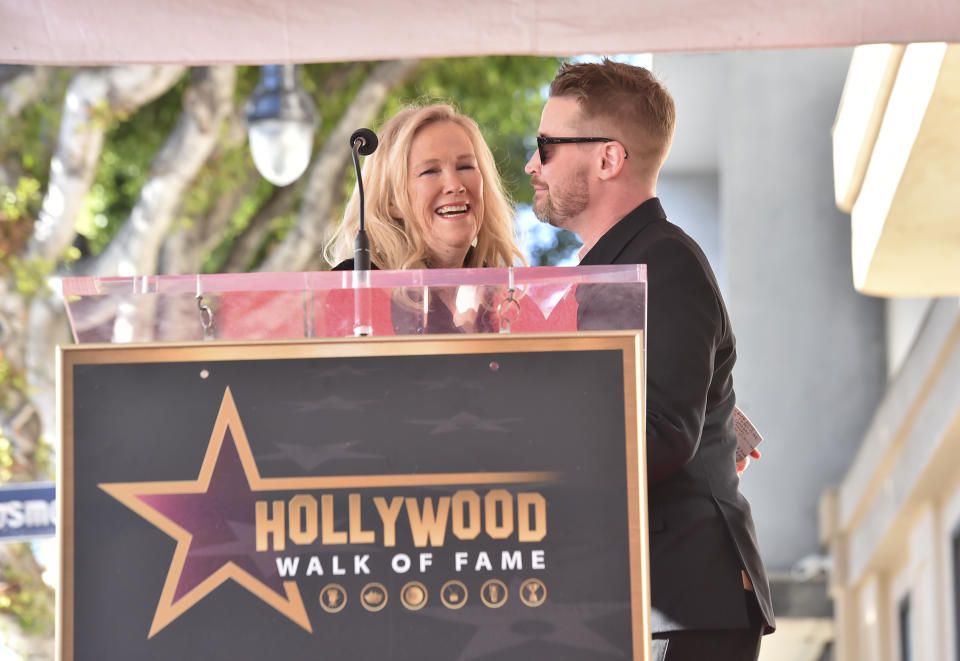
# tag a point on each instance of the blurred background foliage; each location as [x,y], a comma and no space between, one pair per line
[503,94]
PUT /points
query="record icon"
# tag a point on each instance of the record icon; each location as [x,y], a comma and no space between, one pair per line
[413,596]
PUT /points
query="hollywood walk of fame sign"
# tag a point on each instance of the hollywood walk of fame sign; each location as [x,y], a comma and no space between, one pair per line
[321,499]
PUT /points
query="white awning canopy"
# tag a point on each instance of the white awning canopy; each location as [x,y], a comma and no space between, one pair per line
[268,31]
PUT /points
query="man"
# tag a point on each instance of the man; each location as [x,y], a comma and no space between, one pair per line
[604,134]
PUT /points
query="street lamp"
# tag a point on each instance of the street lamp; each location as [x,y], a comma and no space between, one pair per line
[281,120]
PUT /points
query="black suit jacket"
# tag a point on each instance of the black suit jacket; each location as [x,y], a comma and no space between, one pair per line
[701,531]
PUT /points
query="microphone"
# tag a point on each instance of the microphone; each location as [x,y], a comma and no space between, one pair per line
[368,141]
[363,141]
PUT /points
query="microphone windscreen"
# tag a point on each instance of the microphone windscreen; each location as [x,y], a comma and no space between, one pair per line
[368,141]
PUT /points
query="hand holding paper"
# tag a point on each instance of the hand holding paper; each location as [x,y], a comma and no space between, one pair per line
[748,438]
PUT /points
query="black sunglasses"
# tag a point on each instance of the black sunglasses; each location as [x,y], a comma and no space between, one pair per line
[542,141]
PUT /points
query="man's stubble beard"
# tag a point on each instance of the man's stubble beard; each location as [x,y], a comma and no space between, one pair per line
[560,209]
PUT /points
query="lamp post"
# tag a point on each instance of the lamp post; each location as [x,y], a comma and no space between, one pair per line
[281,120]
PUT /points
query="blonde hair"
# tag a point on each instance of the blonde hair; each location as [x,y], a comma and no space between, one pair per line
[395,244]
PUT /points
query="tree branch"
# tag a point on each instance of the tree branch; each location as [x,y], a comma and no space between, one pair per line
[19,87]
[249,241]
[47,327]
[92,96]
[184,249]
[135,248]
[22,89]
[305,239]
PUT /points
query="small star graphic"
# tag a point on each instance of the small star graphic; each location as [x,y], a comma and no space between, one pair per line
[198,514]
[465,420]
[331,403]
[309,457]
[449,382]
[561,624]
[342,371]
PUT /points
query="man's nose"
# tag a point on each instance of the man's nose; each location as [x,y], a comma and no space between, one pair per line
[533,164]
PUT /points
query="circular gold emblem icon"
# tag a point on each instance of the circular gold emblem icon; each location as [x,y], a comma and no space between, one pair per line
[333,598]
[413,595]
[533,592]
[453,594]
[494,593]
[373,596]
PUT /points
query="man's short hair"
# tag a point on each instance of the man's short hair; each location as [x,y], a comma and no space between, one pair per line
[629,98]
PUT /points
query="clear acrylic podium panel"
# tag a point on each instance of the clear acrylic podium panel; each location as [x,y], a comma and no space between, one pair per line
[260,306]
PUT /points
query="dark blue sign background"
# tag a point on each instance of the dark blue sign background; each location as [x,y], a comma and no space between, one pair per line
[559,411]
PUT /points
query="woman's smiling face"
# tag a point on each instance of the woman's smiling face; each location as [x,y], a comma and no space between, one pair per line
[445,189]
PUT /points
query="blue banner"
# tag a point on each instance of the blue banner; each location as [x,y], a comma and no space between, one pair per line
[28,511]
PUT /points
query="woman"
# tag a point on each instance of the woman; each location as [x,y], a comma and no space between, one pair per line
[433,198]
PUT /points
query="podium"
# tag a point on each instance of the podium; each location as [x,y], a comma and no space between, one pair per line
[405,465]
[261,306]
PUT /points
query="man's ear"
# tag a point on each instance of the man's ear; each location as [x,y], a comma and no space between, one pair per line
[612,160]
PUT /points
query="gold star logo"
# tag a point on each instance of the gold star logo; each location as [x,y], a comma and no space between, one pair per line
[157,502]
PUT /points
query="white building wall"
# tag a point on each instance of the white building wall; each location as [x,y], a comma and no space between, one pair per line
[873,622]
[922,570]
[815,357]
[904,318]
[691,200]
[811,350]
[898,507]
[950,525]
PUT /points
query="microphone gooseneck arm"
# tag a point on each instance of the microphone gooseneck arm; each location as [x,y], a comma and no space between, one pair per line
[361,245]
[363,141]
